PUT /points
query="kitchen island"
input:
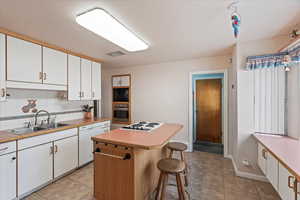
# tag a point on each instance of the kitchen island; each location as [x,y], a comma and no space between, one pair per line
[125,162]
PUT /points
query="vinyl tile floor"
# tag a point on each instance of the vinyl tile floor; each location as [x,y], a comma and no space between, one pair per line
[211,177]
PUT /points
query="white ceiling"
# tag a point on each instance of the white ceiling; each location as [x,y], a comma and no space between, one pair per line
[175,29]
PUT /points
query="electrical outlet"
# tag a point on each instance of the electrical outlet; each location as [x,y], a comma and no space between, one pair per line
[246,163]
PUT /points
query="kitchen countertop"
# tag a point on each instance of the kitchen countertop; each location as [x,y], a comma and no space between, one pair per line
[140,139]
[6,136]
[285,149]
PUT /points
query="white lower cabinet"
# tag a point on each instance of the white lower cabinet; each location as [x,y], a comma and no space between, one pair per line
[35,168]
[8,179]
[284,191]
[65,155]
[272,170]
[262,158]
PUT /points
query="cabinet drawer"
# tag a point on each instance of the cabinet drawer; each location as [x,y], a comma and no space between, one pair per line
[37,140]
[7,147]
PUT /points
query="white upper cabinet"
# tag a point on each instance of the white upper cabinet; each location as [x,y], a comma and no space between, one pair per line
[74,90]
[125,81]
[2,68]
[96,81]
[121,81]
[86,79]
[55,67]
[24,61]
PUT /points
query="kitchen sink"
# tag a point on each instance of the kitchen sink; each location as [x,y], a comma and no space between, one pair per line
[21,131]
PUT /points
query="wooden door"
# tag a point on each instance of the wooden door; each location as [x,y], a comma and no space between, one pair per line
[86,79]
[34,168]
[209,110]
[2,68]
[65,155]
[96,81]
[24,61]
[8,176]
[55,66]
[74,78]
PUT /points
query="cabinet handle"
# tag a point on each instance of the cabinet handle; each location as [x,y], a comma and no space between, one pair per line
[93,94]
[264,154]
[3,149]
[41,75]
[56,149]
[289,182]
[13,158]
[45,76]
[3,93]
[51,151]
[82,94]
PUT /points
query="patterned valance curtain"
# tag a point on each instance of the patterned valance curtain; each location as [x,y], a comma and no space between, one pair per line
[266,61]
[294,53]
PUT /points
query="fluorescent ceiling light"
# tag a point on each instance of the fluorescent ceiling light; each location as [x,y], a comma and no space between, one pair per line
[105,25]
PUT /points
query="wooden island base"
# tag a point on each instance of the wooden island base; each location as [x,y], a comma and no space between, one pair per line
[125,173]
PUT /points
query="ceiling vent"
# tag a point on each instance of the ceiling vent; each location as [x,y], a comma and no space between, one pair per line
[116,53]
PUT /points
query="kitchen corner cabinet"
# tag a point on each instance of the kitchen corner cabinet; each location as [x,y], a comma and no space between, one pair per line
[65,155]
[86,79]
[54,67]
[34,168]
[2,68]
[8,179]
[96,81]
[24,61]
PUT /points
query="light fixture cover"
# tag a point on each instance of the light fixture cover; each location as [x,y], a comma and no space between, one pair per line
[102,23]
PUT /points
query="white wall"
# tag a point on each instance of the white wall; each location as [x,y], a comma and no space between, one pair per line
[46,100]
[160,91]
[246,148]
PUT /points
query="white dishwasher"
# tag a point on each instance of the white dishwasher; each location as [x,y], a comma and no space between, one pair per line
[85,141]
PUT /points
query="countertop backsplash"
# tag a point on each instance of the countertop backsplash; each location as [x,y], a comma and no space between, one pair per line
[12,116]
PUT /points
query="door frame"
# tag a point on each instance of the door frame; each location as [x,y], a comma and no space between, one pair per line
[224,107]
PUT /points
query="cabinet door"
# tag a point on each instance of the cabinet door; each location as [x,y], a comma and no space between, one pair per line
[35,167]
[2,68]
[262,156]
[74,78]
[8,178]
[272,170]
[86,79]
[284,191]
[65,155]
[116,81]
[96,81]
[24,61]
[55,66]
[125,81]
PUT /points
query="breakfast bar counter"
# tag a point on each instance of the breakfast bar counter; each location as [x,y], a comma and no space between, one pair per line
[125,162]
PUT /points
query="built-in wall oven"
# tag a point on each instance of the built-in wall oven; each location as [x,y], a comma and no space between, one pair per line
[121,112]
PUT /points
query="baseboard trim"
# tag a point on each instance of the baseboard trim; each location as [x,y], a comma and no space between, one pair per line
[246,174]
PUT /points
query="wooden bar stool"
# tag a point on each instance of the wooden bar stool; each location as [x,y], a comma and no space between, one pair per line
[180,147]
[170,166]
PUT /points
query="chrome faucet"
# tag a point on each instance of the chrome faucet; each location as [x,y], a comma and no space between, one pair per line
[37,114]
